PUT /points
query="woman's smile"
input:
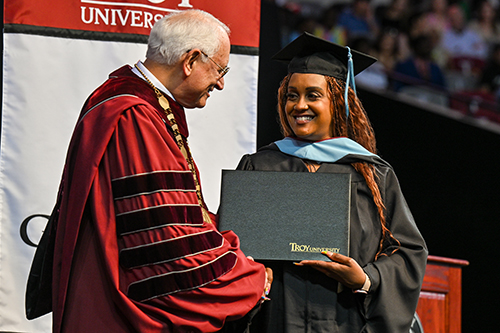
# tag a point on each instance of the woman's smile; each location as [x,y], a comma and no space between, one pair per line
[303,119]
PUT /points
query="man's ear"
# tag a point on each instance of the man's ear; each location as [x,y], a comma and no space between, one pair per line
[189,61]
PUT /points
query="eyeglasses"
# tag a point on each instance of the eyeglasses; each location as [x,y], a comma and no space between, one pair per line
[222,70]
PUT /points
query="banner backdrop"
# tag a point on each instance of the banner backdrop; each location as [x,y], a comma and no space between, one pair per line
[56,52]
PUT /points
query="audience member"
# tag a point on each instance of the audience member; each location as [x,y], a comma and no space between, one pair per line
[396,15]
[374,76]
[333,32]
[304,24]
[358,20]
[435,22]
[436,19]
[419,69]
[417,24]
[489,81]
[485,22]
[461,43]
[387,48]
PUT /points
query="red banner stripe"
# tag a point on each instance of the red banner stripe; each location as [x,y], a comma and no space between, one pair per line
[132,17]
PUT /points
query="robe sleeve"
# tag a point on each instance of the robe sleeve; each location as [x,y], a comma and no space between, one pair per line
[397,278]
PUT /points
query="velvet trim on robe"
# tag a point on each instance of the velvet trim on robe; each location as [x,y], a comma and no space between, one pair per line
[131,250]
[305,300]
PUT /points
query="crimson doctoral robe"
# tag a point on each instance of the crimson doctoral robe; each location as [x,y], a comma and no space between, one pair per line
[132,253]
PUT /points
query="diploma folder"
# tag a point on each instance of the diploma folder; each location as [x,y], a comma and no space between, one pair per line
[286,215]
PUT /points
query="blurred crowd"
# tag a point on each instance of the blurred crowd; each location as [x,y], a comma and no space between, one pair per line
[442,51]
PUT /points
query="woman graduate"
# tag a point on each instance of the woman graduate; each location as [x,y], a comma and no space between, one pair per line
[326,129]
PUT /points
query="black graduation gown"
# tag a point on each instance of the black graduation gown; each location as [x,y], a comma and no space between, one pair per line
[305,300]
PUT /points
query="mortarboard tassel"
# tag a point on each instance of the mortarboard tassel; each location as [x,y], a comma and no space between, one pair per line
[349,80]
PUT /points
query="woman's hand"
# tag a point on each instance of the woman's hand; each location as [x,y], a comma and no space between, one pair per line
[341,268]
[267,286]
[267,282]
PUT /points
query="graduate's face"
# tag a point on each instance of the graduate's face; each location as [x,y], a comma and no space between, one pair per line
[308,107]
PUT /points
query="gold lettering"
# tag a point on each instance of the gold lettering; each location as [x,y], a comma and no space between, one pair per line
[307,248]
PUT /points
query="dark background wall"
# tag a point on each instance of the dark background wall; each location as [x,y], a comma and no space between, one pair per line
[448,171]
[449,174]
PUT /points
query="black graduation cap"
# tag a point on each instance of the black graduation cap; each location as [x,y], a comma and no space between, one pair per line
[311,54]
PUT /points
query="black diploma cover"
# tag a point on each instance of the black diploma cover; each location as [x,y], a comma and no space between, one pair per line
[286,215]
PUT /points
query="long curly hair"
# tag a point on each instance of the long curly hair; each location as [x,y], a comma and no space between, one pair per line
[357,128]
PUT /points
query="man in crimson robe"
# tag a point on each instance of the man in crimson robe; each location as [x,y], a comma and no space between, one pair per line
[135,248]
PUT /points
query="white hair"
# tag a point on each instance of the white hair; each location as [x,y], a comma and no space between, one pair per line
[180,32]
